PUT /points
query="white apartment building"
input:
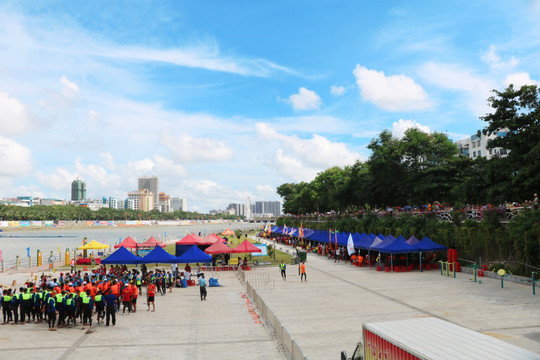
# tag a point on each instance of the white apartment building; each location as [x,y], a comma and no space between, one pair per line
[178,204]
[475,146]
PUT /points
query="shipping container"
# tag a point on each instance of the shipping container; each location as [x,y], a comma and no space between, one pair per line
[432,339]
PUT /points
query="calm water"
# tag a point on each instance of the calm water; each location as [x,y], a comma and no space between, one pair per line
[20,240]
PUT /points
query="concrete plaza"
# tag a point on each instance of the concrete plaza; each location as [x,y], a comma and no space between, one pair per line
[324,315]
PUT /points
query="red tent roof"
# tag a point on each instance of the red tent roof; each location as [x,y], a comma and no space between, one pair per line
[219,238]
[128,243]
[246,247]
[208,240]
[218,248]
[228,232]
[152,242]
[188,240]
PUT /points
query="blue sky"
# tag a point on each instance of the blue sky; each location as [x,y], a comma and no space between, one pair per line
[224,100]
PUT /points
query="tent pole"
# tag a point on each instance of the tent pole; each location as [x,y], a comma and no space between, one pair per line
[421,261]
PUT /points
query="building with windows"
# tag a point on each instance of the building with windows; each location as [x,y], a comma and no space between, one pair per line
[178,204]
[267,209]
[475,146]
[78,190]
[151,184]
[239,209]
[164,204]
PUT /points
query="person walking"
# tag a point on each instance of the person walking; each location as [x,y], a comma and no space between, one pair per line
[283,269]
[202,287]
[303,276]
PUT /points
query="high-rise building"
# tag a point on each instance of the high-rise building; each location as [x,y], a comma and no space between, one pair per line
[146,200]
[150,183]
[266,208]
[78,190]
[239,209]
[133,200]
[248,214]
[178,204]
[164,204]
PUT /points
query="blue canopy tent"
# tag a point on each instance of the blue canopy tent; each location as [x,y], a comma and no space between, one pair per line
[158,256]
[122,256]
[426,244]
[194,255]
[398,246]
[413,240]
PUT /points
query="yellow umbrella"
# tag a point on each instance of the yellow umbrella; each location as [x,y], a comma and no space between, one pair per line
[93,245]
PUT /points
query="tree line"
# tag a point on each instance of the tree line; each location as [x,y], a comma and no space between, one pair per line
[73,212]
[421,168]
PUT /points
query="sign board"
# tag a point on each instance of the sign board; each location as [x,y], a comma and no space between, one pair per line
[233,261]
[264,250]
[144,252]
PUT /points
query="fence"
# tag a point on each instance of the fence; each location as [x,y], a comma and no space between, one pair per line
[277,330]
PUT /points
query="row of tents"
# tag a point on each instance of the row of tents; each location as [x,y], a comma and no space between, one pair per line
[386,244]
[190,249]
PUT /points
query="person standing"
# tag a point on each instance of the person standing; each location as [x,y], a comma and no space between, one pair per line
[110,301]
[535,202]
[283,269]
[51,312]
[87,304]
[126,299]
[202,287]
[303,276]
[151,294]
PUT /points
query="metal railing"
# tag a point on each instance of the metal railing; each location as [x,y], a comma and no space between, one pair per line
[277,330]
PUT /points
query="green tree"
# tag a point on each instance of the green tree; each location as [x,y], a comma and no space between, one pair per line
[516,123]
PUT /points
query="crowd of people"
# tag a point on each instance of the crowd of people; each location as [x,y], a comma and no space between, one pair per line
[77,298]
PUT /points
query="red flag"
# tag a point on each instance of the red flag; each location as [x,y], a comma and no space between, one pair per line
[330,238]
[301,231]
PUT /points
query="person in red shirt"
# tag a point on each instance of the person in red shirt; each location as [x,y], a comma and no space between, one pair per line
[126,299]
[151,295]
[134,296]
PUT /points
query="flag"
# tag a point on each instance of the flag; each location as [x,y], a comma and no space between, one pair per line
[335,236]
[28,251]
[59,250]
[301,233]
[330,237]
[350,245]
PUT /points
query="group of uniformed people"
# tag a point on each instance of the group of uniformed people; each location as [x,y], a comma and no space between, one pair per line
[73,297]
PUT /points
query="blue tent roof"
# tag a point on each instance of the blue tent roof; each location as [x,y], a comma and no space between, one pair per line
[122,256]
[413,240]
[194,255]
[398,246]
[426,244]
[379,243]
[158,255]
[364,242]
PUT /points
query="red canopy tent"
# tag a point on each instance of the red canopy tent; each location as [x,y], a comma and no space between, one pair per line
[219,238]
[150,243]
[189,240]
[218,248]
[128,243]
[208,240]
[246,247]
[228,232]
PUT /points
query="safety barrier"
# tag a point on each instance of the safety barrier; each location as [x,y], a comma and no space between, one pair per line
[277,330]
[450,268]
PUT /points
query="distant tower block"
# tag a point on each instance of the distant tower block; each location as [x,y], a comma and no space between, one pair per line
[78,190]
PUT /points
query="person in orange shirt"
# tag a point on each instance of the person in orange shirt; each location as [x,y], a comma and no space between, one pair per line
[126,299]
[134,296]
[303,276]
[151,296]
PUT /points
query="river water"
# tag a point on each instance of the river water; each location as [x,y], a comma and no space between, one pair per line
[13,243]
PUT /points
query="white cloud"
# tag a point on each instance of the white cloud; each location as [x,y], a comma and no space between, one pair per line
[399,127]
[186,148]
[337,90]
[494,60]
[15,159]
[13,116]
[305,100]
[108,161]
[70,89]
[453,77]
[392,93]
[520,79]
[301,159]
[59,180]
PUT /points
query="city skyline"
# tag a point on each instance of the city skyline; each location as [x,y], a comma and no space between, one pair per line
[222,109]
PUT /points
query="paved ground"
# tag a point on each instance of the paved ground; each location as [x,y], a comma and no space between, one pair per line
[325,314]
[182,327]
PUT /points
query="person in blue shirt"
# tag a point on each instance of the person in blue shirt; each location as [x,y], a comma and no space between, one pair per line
[202,287]
[110,302]
[51,313]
